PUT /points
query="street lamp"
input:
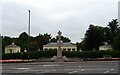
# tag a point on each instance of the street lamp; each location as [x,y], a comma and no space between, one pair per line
[28,33]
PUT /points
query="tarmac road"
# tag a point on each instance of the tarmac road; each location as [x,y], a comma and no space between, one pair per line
[62,68]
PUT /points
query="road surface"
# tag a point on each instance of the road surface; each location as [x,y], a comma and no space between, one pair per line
[65,68]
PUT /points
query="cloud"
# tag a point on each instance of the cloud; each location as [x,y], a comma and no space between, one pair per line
[72,17]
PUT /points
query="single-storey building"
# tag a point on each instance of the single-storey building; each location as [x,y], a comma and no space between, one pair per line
[106,47]
[65,46]
[12,48]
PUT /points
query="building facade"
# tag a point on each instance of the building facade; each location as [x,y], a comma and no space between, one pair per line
[12,48]
[65,46]
[106,47]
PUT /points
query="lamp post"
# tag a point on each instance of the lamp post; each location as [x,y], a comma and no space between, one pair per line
[28,34]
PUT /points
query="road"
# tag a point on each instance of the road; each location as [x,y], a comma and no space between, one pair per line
[62,68]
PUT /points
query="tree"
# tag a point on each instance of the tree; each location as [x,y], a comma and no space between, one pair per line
[42,40]
[79,46]
[64,39]
[113,30]
[93,38]
[107,35]
[6,41]
[116,42]
[22,41]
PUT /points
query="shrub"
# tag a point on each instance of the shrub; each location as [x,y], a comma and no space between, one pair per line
[51,53]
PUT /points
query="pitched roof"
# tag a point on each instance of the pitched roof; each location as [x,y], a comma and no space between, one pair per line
[106,46]
[12,46]
[54,44]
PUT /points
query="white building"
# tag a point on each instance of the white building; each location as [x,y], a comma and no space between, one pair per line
[106,47]
[65,46]
[12,48]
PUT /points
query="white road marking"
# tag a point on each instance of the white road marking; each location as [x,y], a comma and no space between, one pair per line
[35,70]
[21,68]
[112,69]
[53,70]
[72,66]
[50,65]
[97,69]
[70,69]
[82,70]
[107,71]
[72,72]
[45,71]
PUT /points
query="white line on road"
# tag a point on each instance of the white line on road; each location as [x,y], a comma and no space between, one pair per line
[112,69]
[82,70]
[21,68]
[46,71]
[70,69]
[72,72]
[107,71]
[50,65]
[71,66]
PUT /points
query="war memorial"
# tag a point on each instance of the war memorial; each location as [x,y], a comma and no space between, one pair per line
[61,65]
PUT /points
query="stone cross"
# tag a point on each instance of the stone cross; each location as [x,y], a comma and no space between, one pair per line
[59,57]
[59,51]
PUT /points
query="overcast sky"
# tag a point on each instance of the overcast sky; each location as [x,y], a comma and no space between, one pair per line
[72,17]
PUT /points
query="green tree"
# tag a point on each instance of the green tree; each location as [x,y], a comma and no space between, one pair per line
[79,45]
[6,41]
[22,41]
[113,30]
[93,38]
[116,42]
[64,39]
[107,34]
[42,40]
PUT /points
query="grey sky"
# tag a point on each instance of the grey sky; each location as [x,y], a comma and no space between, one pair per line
[72,17]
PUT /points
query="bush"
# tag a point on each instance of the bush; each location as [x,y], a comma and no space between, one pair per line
[11,56]
[51,53]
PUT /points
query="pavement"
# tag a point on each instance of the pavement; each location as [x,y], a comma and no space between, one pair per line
[62,68]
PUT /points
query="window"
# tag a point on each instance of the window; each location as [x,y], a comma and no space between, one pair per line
[55,48]
[17,51]
[10,50]
[50,48]
[46,49]
[69,49]
[73,49]
[64,49]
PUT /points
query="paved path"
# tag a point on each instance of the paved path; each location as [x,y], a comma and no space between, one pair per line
[65,68]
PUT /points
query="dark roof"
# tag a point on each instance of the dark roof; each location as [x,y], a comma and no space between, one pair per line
[54,44]
[12,46]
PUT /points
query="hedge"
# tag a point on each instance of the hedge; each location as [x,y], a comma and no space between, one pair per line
[51,53]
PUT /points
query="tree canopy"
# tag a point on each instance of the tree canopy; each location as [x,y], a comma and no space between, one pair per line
[64,39]
[93,38]
[112,30]
[96,36]
[36,43]
[116,42]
